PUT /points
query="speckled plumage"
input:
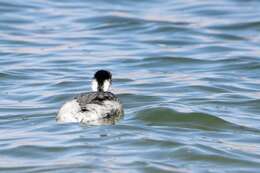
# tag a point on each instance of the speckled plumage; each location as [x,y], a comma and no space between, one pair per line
[95,97]
[90,108]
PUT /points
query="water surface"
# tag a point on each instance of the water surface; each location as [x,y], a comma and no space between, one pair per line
[187,73]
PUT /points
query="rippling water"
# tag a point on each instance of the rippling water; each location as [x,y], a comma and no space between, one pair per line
[186,71]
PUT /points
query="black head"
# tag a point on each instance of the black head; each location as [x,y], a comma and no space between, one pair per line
[101,80]
[102,75]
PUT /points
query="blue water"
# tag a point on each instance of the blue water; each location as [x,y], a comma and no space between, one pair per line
[187,73]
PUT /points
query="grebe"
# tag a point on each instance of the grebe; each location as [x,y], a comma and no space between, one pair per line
[97,107]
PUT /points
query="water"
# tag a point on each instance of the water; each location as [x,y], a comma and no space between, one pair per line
[186,71]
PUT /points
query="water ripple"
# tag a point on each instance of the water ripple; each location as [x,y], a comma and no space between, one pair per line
[186,72]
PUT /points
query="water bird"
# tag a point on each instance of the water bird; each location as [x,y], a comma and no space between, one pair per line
[97,107]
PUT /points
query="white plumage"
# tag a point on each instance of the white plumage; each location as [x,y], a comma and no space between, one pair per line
[71,112]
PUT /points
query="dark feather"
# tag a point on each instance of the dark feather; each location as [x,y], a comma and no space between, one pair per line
[94,98]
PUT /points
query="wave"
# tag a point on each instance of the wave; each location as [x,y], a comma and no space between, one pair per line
[203,121]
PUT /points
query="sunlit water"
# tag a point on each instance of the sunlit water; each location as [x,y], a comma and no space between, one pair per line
[187,73]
